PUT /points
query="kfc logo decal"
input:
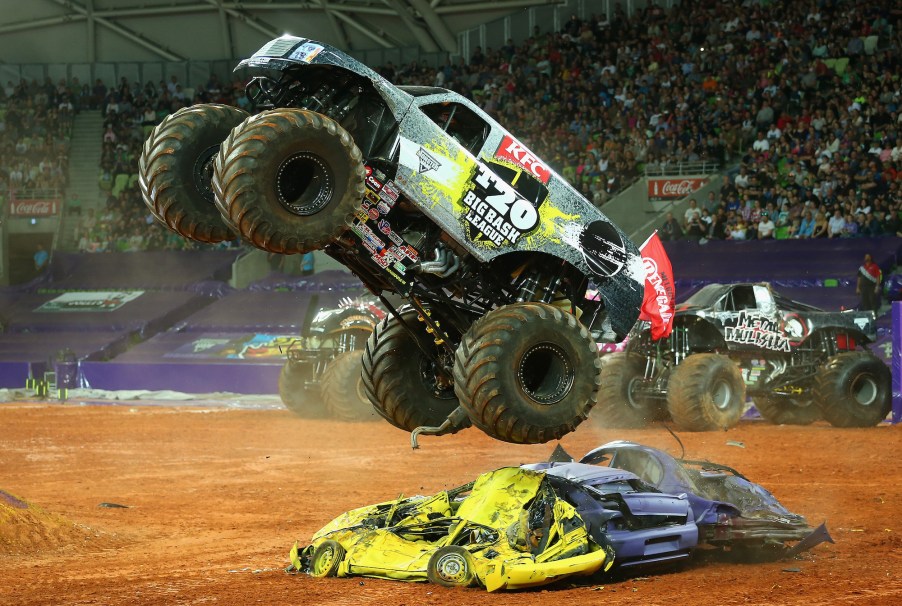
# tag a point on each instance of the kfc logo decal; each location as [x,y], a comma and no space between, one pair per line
[515,152]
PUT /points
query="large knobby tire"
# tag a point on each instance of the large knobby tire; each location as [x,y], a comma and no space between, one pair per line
[854,389]
[619,407]
[451,566]
[400,380]
[296,394]
[289,180]
[176,168]
[326,559]
[706,392]
[788,411]
[527,373]
[342,388]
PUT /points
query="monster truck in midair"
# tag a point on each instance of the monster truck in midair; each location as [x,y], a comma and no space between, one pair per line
[420,194]
[797,362]
[322,367]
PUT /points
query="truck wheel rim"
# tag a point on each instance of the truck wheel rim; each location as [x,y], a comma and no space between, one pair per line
[304,184]
[545,373]
[722,395]
[864,390]
[202,172]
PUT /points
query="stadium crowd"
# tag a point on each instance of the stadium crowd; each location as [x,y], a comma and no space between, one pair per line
[803,97]
[35,132]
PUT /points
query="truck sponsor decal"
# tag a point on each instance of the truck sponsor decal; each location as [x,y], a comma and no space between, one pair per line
[427,162]
[754,328]
[495,211]
[306,52]
[516,153]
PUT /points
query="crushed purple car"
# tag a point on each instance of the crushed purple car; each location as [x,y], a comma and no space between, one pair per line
[653,508]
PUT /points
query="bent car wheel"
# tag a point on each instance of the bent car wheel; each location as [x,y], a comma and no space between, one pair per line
[787,411]
[854,390]
[618,404]
[176,168]
[706,392]
[326,559]
[296,395]
[451,566]
[402,383]
[342,388]
[288,180]
[527,373]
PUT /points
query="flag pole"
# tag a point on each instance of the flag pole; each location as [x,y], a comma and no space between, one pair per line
[648,239]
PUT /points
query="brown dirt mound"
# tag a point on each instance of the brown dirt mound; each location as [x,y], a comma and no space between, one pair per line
[25,528]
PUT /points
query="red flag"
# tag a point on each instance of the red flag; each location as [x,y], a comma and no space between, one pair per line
[659,301]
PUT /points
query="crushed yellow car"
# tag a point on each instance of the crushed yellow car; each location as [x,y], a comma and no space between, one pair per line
[506,530]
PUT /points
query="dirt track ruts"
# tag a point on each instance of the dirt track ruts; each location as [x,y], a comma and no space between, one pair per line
[217,496]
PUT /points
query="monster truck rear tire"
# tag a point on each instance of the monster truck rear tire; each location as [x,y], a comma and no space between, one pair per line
[175,170]
[854,389]
[527,373]
[342,388]
[618,407]
[787,411]
[705,392]
[289,180]
[400,380]
[296,395]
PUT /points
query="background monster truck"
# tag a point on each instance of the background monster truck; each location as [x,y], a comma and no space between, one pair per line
[797,362]
[419,193]
[322,367]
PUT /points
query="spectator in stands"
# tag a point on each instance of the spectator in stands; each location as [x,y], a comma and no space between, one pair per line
[671,229]
[821,227]
[850,227]
[41,258]
[691,210]
[766,228]
[806,228]
[836,224]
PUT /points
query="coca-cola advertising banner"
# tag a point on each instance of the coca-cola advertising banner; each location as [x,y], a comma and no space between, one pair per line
[673,189]
[45,207]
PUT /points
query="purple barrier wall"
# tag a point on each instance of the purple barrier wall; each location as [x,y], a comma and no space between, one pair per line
[798,262]
[238,377]
[897,361]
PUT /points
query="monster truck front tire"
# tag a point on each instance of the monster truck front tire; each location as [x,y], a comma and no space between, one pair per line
[854,389]
[176,167]
[342,388]
[527,373]
[619,407]
[402,382]
[289,180]
[706,392]
[787,411]
[294,390]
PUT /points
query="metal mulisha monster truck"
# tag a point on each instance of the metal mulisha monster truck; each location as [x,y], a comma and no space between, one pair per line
[420,194]
[797,362]
[321,374]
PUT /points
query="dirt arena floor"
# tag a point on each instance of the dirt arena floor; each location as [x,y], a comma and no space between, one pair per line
[216,496]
